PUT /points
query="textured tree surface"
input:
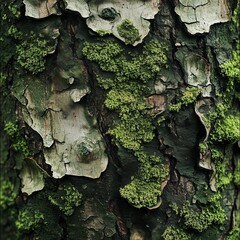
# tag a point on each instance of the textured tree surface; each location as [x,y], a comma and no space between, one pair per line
[120,119]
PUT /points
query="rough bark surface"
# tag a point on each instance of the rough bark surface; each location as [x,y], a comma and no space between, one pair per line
[120,120]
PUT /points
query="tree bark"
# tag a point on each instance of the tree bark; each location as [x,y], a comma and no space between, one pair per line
[120,120]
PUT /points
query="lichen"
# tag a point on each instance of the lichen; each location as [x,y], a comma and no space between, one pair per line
[41,9]
[85,149]
[193,14]
[32,176]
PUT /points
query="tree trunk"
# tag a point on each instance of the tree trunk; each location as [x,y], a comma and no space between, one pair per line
[120,120]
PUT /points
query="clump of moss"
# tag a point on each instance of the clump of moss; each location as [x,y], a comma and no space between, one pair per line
[7,194]
[19,143]
[189,96]
[231,68]
[102,33]
[104,53]
[127,31]
[173,233]
[203,147]
[132,131]
[134,125]
[201,219]
[227,129]
[29,219]
[27,48]
[127,67]
[145,189]
[66,199]
[234,234]
[141,194]
[31,53]
[223,175]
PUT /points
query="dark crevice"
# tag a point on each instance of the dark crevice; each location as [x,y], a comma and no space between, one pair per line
[62,222]
[104,119]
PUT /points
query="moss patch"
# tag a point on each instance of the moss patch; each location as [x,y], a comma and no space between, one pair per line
[127,31]
[66,199]
[201,218]
[134,126]
[173,233]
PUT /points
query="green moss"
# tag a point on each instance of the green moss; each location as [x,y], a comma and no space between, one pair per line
[127,67]
[133,131]
[127,31]
[189,96]
[231,68]
[141,194]
[115,99]
[28,49]
[11,129]
[31,53]
[234,234]
[10,12]
[227,129]
[7,194]
[3,78]
[134,126]
[203,147]
[145,189]
[151,167]
[236,16]
[104,53]
[102,33]
[236,174]
[66,199]
[223,175]
[19,143]
[201,218]
[126,93]
[173,233]
[29,219]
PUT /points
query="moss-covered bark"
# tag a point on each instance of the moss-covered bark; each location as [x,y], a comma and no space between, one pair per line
[107,137]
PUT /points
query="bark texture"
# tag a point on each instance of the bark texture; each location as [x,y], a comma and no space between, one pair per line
[120,119]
